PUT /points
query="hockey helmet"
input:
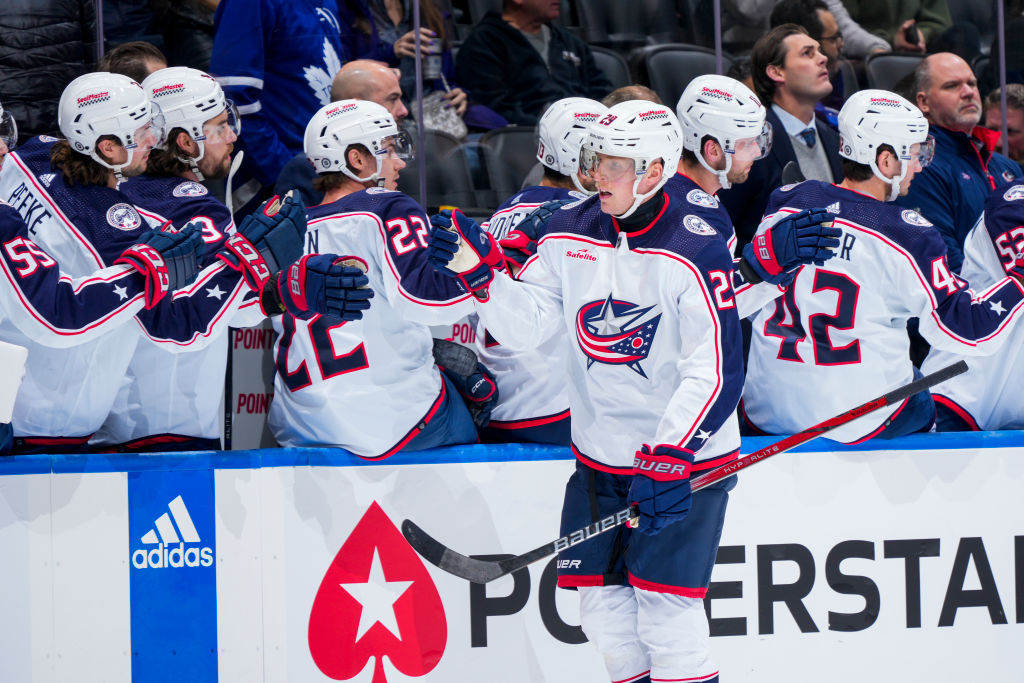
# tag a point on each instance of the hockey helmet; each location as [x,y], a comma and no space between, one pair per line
[340,124]
[102,103]
[188,98]
[730,113]
[639,130]
[562,131]
[872,118]
[8,129]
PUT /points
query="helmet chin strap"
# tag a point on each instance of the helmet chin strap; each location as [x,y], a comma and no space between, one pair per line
[639,199]
[579,185]
[191,161]
[116,168]
[894,182]
[376,178]
[723,176]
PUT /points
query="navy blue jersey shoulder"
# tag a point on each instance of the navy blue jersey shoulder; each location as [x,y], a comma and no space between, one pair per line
[538,194]
[700,203]
[176,199]
[385,204]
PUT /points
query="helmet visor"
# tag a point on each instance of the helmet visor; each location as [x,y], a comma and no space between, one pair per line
[924,151]
[601,166]
[155,129]
[8,131]
[747,149]
[398,146]
[227,130]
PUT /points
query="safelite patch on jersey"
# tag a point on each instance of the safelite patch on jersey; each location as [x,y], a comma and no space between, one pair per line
[1014,193]
[701,198]
[698,225]
[189,189]
[914,218]
[124,217]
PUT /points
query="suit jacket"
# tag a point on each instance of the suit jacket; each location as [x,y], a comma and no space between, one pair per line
[746,202]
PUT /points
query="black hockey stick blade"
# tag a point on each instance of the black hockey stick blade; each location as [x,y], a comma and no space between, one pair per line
[483,571]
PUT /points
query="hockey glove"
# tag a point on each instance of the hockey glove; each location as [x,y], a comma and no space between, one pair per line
[806,237]
[319,284]
[460,248]
[472,380]
[168,259]
[660,489]
[521,242]
[267,240]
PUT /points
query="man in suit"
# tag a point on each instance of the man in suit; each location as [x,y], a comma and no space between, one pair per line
[790,74]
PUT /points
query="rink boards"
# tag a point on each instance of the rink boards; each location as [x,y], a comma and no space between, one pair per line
[868,563]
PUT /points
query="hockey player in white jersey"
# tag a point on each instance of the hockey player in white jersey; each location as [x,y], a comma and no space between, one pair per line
[369,386]
[724,133]
[838,336]
[987,396]
[645,298]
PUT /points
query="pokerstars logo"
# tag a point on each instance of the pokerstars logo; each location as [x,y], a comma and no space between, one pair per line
[376,600]
[173,542]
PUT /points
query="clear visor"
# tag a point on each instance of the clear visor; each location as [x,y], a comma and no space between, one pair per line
[747,149]
[153,133]
[8,131]
[923,151]
[225,131]
[397,146]
[610,169]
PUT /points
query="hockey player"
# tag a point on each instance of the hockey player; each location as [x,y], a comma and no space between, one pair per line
[837,337]
[724,133]
[66,193]
[370,386]
[987,395]
[655,374]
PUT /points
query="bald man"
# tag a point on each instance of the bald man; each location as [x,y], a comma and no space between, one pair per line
[360,79]
[951,191]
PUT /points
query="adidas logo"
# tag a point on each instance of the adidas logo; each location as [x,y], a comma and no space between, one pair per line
[47,178]
[170,538]
[833,208]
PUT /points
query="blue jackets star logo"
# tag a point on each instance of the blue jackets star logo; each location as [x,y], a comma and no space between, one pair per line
[616,332]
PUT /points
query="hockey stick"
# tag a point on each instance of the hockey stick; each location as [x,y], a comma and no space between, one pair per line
[482,571]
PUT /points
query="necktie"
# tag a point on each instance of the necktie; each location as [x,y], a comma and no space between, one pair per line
[809,137]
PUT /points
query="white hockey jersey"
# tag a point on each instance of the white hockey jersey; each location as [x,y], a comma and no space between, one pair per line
[368,384]
[656,353]
[838,338]
[988,395]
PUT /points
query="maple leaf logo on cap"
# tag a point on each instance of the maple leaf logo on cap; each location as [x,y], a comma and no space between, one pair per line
[376,600]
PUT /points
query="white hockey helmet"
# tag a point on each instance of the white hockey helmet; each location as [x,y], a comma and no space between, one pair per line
[872,118]
[639,130]
[338,125]
[561,132]
[102,103]
[8,129]
[188,98]
[729,112]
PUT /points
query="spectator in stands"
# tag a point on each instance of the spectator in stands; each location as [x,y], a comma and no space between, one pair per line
[136,60]
[517,62]
[951,192]
[916,26]
[630,92]
[747,20]
[1014,117]
[361,79]
[790,77]
[821,25]
[187,27]
[44,45]
[740,71]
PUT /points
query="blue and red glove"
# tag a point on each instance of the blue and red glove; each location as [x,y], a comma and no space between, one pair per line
[168,259]
[460,248]
[660,489]
[799,239]
[267,240]
[319,284]
[521,242]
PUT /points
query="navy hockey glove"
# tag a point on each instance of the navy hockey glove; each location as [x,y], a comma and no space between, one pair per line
[521,242]
[267,240]
[319,284]
[806,237]
[168,259]
[460,248]
[473,381]
[660,489]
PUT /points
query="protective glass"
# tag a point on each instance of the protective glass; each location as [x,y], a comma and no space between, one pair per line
[746,149]
[397,146]
[153,133]
[226,131]
[8,130]
[611,169]
[924,151]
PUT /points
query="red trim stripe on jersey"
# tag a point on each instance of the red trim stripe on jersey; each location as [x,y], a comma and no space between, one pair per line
[599,466]
[633,679]
[693,679]
[884,424]
[635,233]
[713,463]
[960,411]
[654,587]
[414,432]
[52,440]
[529,422]
[212,328]
[580,580]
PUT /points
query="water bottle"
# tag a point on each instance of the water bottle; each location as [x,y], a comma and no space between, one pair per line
[432,62]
